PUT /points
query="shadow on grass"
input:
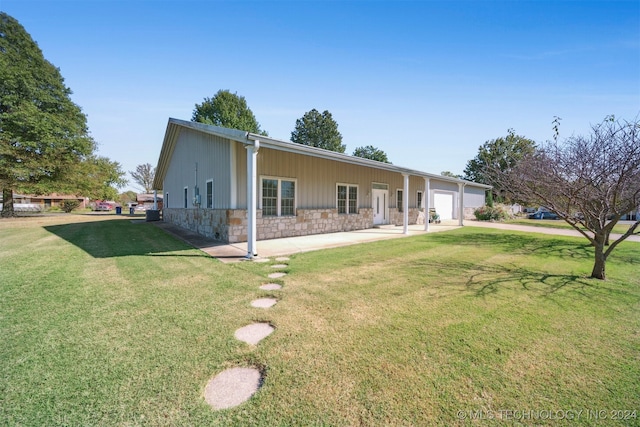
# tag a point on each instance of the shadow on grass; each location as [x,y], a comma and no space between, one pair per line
[554,287]
[489,279]
[119,238]
[521,243]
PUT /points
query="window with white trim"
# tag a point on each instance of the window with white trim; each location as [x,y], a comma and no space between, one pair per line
[278,197]
[399,201]
[419,201]
[347,199]
[209,194]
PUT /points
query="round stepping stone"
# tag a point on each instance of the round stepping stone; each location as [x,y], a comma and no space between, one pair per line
[271,287]
[261,260]
[232,387]
[264,302]
[282,258]
[279,266]
[254,333]
[276,275]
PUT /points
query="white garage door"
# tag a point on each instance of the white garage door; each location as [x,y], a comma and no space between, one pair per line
[443,202]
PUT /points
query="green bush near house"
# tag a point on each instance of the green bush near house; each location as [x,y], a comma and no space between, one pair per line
[493,213]
[69,205]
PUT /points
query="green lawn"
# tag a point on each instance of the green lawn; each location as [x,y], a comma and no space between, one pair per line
[109,322]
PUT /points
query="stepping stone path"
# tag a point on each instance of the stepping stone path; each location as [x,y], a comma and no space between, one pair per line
[264,302]
[232,387]
[271,287]
[254,333]
[279,266]
[236,385]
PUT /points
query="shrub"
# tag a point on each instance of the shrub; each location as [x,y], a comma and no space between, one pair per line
[493,213]
[69,205]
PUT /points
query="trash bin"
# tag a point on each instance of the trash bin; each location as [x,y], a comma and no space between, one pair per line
[118,210]
[131,211]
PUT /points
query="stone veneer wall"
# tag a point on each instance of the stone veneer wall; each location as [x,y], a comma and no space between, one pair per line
[210,223]
[230,225]
[312,221]
[397,218]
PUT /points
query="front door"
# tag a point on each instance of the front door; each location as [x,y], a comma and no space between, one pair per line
[379,206]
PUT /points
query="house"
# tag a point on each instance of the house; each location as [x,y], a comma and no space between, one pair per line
[145,201]
[237,186]
[38,203]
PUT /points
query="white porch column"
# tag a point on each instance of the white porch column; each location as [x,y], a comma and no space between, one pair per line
[155,200]
[461,204]
[405,204]
[427,191]
[252,197]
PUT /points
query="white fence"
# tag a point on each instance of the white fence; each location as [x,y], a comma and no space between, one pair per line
[25,207]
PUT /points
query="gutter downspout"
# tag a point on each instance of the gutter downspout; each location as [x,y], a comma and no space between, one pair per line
[427,192]
[252,196]
[461,204]
[405,204]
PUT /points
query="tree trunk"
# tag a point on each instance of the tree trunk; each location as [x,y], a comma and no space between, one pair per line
[600,259]
[7,203]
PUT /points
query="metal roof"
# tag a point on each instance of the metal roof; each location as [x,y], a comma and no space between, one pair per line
[175,125]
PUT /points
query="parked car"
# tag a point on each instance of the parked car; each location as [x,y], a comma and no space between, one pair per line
[543,213]
[103,206]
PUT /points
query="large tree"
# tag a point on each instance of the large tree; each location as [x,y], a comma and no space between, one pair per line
[100,178]
[589,181]
[43,134]
[318,130]
[228,110]
[372,153]
[497,156]
[143,176]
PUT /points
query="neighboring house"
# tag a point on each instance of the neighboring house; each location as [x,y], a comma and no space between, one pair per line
[28,202]
[146,200]
[237,186]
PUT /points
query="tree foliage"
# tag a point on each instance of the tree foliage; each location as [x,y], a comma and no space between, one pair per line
[372,153]
[450,174]
[497,156]
[45,145]
[318,130]
[43,134]
[589,181]
[100,178]
[228,110]
[143,176]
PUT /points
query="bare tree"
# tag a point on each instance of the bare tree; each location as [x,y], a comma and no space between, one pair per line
[591,182]
[143,176]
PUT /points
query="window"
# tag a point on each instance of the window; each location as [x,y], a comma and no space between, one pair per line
[287,197]
[347,199]
[278,197]
[186,197]
[419,205]
[165,202]
[210,194]
[399,202]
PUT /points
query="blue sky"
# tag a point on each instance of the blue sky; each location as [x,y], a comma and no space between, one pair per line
[428,82]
